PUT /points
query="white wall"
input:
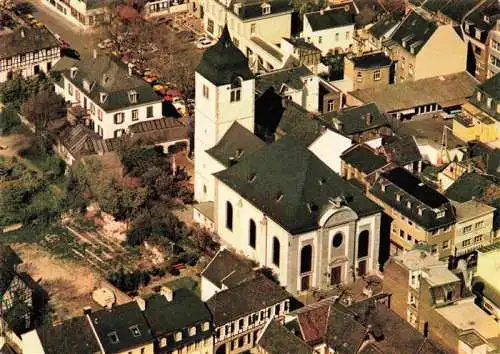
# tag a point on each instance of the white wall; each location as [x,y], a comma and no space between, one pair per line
[328,148]
[208,289]
[326,39]
[27,67]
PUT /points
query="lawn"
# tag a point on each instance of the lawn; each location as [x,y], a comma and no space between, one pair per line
[184,282]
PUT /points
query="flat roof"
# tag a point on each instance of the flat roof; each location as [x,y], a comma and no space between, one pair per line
[440,275]
[447,90]
[417,259]
[471,209]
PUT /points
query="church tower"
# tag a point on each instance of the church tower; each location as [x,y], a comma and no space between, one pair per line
[224,94]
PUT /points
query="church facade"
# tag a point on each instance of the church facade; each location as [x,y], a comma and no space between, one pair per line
[276,203]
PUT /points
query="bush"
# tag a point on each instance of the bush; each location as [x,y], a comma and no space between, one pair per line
[130,281]
[9,120]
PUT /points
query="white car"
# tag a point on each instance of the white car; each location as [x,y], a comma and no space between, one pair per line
[204,42]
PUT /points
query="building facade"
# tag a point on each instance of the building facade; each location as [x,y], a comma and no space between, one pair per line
[85,14]
[27,51]
[368,70]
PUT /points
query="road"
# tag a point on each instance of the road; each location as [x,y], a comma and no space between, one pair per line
[83,42]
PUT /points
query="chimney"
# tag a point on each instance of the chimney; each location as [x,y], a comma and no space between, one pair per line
[232,161]
[95,53]
[22,33]
[87,310]
[130,66]
[141,302]
[167,292]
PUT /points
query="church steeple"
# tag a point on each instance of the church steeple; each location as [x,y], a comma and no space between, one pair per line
[222,62]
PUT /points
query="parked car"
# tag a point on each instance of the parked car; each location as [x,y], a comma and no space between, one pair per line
[204,42]
[70,52]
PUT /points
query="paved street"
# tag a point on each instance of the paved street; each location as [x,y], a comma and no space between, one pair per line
[83,42]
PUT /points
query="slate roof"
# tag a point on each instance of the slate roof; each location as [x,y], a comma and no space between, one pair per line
[13,43]
[401,149]
[490,90]
[277,339]
[237,143]
[491,9]
[228,269]
[186,310]
[291,77]
[489,157]
[447,90]
[353,119]
[251,9]
[301,43]
[223,62]
[74,335]
[491,87]
[336,17]
[371,60]
[106,75]
[344,333]
[363,158]
[252,296]
[456,10]
[383,26]
[414,31]
[419,195]
[119,321]
[291,185]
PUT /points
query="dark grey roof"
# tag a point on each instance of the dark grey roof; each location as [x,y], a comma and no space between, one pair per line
[371,60]
[336,17]
[228,269]
[491,87]
[13,43]
[469,186]
[291,77]
[490,91]
[414,31]
[249,297]
[363,158]
[456,10]
[401,149]
[186,310]
[489,9]
[109,76]
[223,62]
[71,336]
[238,143]
[277,339]
[120,321]
[291,185]
[412,190]
[354,119]
[343,332]
[435,5]
[251,9]
[381,27]
[301,43]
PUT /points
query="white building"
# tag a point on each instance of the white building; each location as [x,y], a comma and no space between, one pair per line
[27,51]
[83,13]
[331,30]
[278,204]
[111,94]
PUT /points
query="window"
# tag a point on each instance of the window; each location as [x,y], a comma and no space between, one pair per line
[119,118]
[408,204]
[479,224]
[135,114]
[92,108]
[337,37]
[398,197]
[401,233]
[135,331]
[376,75]
[178,336]
[359,76]
[205,91]
[100,131]
[330,106]
[408,237]
[236,90]
[434,249]
[337,240]
[77,95]
[253,27]
[118,133]
[277,310]
[252,234]
[192,331]
[241,323]
[466,243]
[132,96]
[113,337]
[478,96]
[163,342]
[205,326]
[467,229]
[210,26]
[347,35]
[306,259]
[99,115]
[149,111]
[446,244]
[363,242]
[70,89]
[266,9]
[478,238]
[229,216]
[320,39]
[276,252]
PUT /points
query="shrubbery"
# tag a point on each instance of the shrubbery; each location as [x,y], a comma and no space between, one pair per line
[129,281]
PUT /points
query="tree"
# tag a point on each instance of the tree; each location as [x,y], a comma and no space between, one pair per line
[9,120]
[40,109]
[394,6]
[14,92]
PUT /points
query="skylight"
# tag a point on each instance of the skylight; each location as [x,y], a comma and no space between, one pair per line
[113,337]
[135,331]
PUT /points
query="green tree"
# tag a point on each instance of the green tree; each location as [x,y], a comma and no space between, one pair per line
[14,92]
[9,120]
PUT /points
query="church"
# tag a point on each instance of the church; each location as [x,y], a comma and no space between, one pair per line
[274,202]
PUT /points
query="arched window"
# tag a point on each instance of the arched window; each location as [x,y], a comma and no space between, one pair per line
[229,216]
[363,242]
[306,259]
[252,233]
[276,252]
[236,90]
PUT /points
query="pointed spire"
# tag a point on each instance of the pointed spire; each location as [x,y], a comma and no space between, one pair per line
[225,37]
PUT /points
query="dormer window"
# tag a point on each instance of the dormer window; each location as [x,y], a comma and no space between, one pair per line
[102,97]
[236,90]
[488,102]
[135,331]
[398,197]
[163,342]
[113,337]
[178,336]
[73,71]
[266,9]
[132,96]
[408,204]
[205,326]
[478,34]
[439,213]
[252,177]
[86,85]
[383,187]
[478,96]
[467,27]
[192,331]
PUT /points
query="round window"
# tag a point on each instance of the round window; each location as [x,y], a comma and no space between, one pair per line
[337,240]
